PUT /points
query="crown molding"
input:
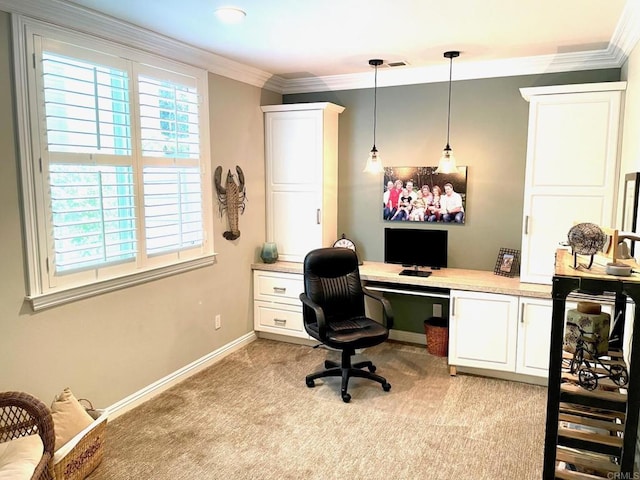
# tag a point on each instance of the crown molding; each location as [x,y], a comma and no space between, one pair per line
[72,16]
[81,19]
[563,62]
[627,33]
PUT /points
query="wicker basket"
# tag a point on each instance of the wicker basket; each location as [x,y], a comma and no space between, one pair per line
[83,453]
[437,331]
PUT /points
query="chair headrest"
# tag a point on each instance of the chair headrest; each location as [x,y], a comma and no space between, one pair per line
[331,262]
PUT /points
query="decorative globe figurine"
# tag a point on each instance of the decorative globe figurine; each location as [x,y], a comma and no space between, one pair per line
[586,239]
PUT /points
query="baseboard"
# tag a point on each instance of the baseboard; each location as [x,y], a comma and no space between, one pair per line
[150,391]
[510,376]
[409,337]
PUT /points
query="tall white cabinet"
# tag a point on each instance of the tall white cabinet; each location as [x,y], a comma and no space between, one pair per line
[572,167]
[301,152]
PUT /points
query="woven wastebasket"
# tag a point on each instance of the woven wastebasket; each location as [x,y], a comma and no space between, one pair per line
[437,331]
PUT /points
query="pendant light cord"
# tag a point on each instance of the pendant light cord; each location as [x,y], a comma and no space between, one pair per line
[449,114]
[375,104]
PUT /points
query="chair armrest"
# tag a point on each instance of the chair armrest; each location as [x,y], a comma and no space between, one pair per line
[20,414]
[319,314]
[386,306]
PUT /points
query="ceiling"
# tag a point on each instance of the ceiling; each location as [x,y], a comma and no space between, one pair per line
[311,42]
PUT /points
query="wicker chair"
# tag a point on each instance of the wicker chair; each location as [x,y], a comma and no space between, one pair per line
[22,414]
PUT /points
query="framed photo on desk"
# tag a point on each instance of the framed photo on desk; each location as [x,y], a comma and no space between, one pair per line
[507,262]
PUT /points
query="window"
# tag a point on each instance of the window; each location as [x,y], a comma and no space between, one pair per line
[116,166]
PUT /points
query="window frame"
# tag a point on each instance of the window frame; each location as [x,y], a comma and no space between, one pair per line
[35,199]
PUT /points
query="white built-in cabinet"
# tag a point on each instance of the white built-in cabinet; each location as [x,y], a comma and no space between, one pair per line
[276,303]
[571,168]
[504,333]
[301,170]
[483,330]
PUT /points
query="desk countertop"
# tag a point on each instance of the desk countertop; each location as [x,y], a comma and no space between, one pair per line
[452,278]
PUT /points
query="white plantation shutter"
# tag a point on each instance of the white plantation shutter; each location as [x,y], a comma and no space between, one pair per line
[93,215]
[168,118]
[170,140]
[173,209]
[121,154]
[86,106]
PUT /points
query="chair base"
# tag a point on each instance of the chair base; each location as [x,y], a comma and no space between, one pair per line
[346,370]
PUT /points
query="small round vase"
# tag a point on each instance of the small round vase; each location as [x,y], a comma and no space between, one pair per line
[269,253]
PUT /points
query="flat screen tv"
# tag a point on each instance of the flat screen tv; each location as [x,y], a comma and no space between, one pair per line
[413,248]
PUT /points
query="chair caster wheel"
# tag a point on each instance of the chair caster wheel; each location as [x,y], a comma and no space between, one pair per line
[310,383]
[386,386]
[372,368]
[346,398]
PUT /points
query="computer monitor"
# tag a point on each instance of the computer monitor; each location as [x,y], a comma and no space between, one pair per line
[412,247]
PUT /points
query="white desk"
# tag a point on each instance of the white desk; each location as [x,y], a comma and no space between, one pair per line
[449,278]
[497,324]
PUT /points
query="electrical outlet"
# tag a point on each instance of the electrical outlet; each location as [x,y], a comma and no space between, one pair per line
[437,310]
[218,322]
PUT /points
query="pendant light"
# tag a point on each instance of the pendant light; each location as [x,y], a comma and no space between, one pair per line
[447,162]
[374,162]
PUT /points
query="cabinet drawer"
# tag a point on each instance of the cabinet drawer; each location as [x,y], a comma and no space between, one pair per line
[278,287]
[275,318]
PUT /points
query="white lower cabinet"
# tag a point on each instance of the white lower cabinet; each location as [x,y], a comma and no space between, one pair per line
[500,332]
[503,332]
[276,303]
[483,330]
[534,334]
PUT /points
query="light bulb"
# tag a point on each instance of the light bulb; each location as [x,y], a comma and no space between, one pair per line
[374,162]
[447,162]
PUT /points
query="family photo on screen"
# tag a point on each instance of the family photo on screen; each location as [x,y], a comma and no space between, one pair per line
[419,194]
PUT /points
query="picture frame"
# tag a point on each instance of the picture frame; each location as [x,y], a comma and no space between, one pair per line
[630,205]
[507,262]
[421,194]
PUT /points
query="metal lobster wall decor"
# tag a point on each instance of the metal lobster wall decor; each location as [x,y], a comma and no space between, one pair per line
[231,198]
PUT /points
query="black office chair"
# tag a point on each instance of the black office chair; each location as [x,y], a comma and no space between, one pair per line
[334,314]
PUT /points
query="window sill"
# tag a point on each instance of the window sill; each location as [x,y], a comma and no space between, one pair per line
[53,299]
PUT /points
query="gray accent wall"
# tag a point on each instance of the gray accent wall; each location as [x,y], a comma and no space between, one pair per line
[489,120]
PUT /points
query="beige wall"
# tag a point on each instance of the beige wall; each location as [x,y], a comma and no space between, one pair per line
[110,346]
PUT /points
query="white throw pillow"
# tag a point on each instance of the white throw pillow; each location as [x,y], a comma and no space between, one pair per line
[20,457]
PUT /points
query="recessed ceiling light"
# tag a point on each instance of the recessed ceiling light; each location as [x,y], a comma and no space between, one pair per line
[230,14]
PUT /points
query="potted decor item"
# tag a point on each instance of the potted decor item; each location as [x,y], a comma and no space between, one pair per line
[269,253]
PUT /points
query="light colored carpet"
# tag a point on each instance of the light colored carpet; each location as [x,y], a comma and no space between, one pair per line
[251,416]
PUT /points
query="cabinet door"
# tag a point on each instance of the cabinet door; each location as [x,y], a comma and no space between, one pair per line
[483,330]
[570,174]
[294,157]
[301,157]
[534,336]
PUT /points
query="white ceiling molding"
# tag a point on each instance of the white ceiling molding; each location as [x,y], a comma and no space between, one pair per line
[81,19]
[598,59]
[74,17]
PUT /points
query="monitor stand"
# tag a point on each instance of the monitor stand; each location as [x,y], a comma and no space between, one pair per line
[415,273]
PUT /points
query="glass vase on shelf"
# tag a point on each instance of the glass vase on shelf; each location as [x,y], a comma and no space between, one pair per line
[269,253]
